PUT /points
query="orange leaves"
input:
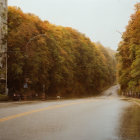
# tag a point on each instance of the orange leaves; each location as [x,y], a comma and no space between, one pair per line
[128,50]
[61,59]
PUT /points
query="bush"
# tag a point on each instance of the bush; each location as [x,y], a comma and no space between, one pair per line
[4,97]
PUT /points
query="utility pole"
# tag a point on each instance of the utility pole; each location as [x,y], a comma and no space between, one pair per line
[3,42]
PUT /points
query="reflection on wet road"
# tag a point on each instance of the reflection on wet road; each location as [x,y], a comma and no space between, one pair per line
[130,124]
[100,118]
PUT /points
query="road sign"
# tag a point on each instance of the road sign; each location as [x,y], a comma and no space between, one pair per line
[25,85]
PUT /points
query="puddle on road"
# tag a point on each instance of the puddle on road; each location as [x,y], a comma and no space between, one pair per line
[130,124]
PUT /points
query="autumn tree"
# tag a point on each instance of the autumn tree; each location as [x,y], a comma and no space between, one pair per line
[63,60]
[129,55]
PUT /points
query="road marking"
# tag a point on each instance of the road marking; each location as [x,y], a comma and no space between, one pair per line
[39,110]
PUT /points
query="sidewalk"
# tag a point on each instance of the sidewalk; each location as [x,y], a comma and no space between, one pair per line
[134,100]
[16,103]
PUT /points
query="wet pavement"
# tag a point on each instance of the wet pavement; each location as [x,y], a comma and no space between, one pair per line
[130,124]
[107,117]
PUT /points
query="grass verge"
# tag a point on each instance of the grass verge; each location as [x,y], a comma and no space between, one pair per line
[4,97]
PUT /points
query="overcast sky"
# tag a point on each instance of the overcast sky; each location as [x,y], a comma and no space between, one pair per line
[98,19]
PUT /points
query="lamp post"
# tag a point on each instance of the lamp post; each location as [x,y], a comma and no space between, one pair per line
[32,38]
[26,46]
[6,59]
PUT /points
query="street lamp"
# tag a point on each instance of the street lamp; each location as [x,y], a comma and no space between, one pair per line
[6,60]
[34,37]
[26,46]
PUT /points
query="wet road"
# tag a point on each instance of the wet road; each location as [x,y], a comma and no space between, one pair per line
[107,117]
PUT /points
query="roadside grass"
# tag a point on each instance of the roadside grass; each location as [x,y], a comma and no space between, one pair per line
[4,97]
[134,100]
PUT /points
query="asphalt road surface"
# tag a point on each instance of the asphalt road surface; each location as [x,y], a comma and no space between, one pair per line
[107,117]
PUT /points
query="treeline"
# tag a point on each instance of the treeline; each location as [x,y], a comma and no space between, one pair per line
[54,59]
[129,55]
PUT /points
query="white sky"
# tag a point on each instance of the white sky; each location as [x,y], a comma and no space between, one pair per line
[98,19]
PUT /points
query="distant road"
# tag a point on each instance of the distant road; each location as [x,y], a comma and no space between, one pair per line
[106,117]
